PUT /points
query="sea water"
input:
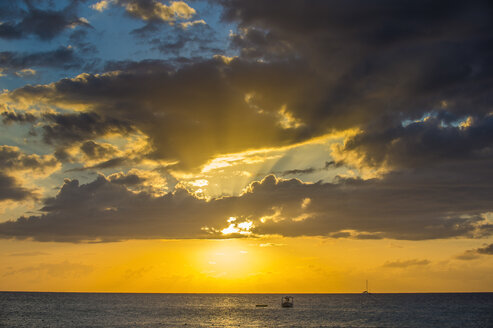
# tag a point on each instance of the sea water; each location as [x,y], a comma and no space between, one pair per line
[239,310]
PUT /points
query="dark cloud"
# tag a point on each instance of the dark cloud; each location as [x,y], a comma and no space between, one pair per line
[385,22]
[299,171]
[70,128]
[369,236]
[12,159]
[62,155]
[377,58]
[115,213]
[9,117]
[488,250]
[406,263]
[45,24]
[473,254]
[397,209]
[189,114]
[309,170]
[425,142]
[255,43]
[62,57]
[94,150]
[126,179]
[11,190]
[397,206]
[138,181]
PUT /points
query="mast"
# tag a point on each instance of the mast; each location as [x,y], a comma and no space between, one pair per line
[367,285]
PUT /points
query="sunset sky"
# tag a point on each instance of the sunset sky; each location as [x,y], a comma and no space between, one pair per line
[246,146]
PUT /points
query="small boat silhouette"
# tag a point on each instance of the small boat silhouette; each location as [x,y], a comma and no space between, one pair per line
[287,301]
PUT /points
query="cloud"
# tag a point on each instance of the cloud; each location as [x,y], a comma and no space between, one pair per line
[256,43]
[468,255]
[106,210]
[101,5]
[177,109]
[186,25]
[151,182]
[70,128]
[25,72]
[317,70]
[63,57]
[9,117]
[423,143]
[168,215]
[385,24]
[93,150]
[405,264]
[404,63]
[12,159]
[121,151]
[11,190]
[487,250]
[154,11]
[416,85]
[476,253]
[199,43]
[13,163]
[309,170]
[45,24]
[126,179]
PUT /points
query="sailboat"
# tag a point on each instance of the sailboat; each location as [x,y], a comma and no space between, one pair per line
[366,292]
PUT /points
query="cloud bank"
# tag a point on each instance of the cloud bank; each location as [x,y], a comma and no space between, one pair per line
[412,79]
[105,210]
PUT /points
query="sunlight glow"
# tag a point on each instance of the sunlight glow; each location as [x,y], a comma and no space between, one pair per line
[287,120]
[200,183]
[242,228]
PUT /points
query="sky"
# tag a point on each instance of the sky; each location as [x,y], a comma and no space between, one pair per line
[246,146]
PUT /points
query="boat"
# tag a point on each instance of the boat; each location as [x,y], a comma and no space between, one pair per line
[366,292]
[287,301]
[261,305]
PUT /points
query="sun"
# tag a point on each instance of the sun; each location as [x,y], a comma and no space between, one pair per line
[227,259]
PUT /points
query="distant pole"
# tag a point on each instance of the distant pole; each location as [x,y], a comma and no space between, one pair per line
[367,285]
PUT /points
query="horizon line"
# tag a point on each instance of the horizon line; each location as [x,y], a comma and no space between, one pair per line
[242,293]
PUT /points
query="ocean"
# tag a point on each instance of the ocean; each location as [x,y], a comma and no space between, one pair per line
[19,309]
